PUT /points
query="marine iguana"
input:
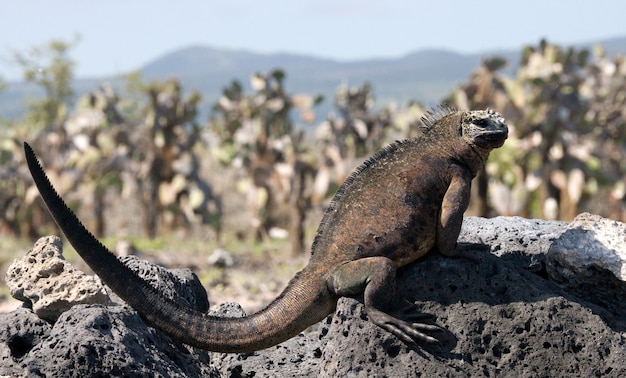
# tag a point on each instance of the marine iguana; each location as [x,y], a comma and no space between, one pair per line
[406,200]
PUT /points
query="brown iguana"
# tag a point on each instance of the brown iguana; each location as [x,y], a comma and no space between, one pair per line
[406,200]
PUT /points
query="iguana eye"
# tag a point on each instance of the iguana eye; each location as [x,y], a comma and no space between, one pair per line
[481,122]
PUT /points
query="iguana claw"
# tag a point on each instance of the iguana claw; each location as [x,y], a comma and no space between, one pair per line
[406,331]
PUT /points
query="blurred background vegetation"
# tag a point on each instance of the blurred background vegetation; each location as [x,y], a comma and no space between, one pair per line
[142,161]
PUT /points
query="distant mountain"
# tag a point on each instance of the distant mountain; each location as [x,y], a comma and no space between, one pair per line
[426,76]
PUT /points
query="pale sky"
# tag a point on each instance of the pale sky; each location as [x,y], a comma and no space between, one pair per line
[118,36]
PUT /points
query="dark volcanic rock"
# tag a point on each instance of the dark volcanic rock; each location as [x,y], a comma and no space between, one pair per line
[20,331]
[498,319]
[93,340]
[181,285]
[505,310]
[296,357]
[96,340]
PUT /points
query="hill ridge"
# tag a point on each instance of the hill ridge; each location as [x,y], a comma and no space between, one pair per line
[425,75]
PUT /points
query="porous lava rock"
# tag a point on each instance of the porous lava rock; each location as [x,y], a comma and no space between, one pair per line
[49,284]
[514,303]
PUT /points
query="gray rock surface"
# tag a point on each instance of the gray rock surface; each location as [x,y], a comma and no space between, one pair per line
[590,242]
[102,341]
[589,260]
[296,357]
[181,285]
[504,307]
[498,319]
[518,240]
[51,285]
[511,235]
[20,331]
[97,340]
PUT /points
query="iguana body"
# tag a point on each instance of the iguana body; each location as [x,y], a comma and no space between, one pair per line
[406,200]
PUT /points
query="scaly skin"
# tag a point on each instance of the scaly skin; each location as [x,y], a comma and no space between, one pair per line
[403,202]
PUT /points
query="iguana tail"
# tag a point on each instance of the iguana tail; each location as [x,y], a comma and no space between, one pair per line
[304,302]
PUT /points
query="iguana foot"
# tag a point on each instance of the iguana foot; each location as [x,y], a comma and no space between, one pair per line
[377,275]
[406,331]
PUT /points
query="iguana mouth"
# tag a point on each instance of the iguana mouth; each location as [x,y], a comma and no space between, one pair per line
[493,136]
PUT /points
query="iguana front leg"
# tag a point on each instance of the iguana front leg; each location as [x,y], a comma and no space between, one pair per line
[454,204]
[375,277]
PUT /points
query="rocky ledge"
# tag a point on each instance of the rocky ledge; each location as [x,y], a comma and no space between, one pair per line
[527,298]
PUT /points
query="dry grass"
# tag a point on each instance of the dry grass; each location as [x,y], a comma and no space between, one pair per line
[260,271]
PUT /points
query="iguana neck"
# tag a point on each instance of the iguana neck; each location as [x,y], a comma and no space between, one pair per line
[469,155]
[476,160]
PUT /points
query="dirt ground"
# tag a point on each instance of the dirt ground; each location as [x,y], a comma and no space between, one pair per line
[259,270]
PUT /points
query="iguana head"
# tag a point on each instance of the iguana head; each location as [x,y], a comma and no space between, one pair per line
[484,129]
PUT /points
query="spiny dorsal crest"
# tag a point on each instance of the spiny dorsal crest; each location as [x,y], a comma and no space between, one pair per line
[433,115]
